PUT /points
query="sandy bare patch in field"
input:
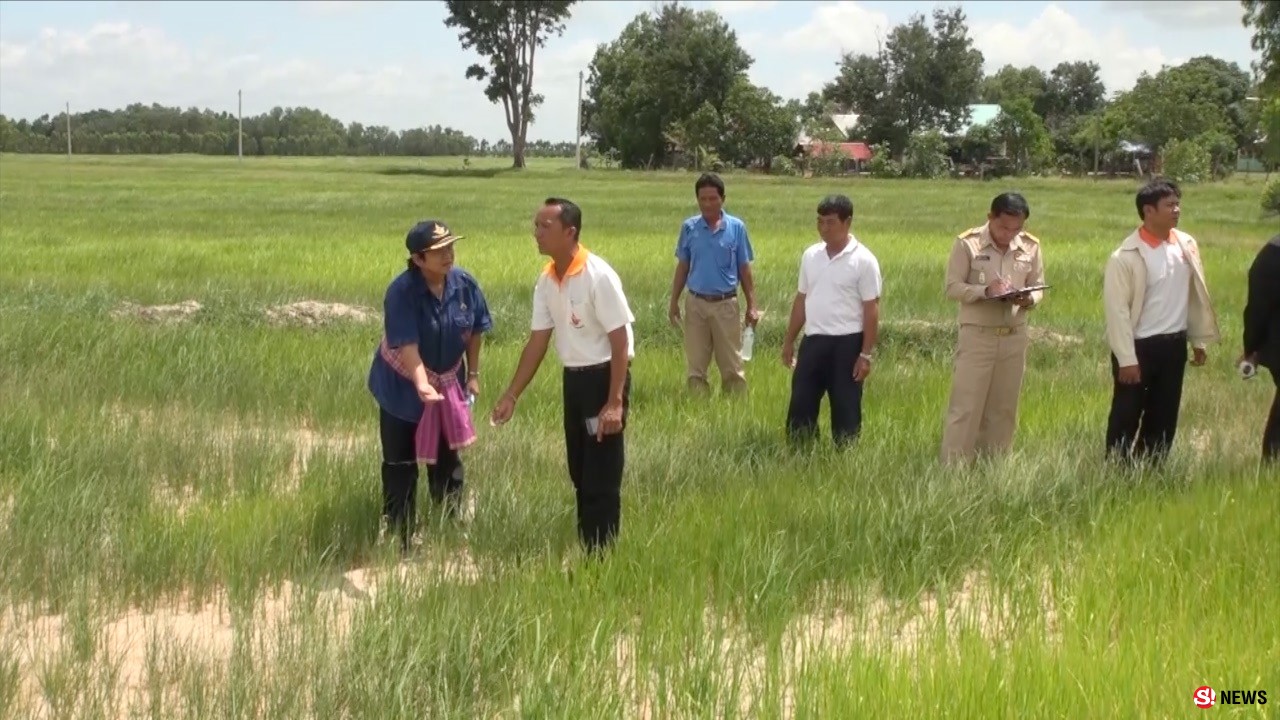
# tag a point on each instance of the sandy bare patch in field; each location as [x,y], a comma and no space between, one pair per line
[6,512]
[312,313]
[126,646]
[157,313]
[878,627]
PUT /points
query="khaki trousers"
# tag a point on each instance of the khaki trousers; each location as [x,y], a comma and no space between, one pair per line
[986,384]
[713,329]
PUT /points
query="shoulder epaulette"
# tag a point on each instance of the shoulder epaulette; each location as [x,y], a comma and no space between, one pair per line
[971,232]
[1032,238]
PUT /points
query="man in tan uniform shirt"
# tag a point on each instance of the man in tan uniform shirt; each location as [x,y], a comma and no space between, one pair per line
[990,358]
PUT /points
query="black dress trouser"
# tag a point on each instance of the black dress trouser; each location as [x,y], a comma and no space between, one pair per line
[400,475]
[824,366]
[1144,416]
[595,466]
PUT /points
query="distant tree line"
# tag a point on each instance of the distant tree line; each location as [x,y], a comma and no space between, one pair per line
[672,91]
[154,129]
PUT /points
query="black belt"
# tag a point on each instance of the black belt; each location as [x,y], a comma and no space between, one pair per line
[715,298]
[1182,336]
[587,368]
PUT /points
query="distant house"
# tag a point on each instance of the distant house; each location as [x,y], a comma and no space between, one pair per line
[857,153]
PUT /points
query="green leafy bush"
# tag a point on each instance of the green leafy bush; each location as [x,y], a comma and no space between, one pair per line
[1187,161]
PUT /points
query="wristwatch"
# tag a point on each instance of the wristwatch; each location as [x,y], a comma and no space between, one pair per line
[865,356]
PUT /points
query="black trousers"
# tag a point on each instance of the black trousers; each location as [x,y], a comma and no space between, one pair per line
[1271,435]
[400,475]
[595,466]
[824,366]
[1144,417]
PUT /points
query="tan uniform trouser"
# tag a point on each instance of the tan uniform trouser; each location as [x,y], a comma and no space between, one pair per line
[713,329]
[985,387]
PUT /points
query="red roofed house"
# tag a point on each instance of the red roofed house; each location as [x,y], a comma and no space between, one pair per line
[857,153]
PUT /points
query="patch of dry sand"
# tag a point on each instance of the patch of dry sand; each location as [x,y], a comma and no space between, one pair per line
[6,512]
[157,313]
[126,646]
[313,313]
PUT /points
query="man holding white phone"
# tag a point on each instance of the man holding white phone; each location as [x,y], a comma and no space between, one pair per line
[1262,335]
[579,297]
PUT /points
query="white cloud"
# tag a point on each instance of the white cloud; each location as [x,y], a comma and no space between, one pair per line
[842,27]
[1184,13]
[333,7]
[112,65]
[1056,36]
[739,7]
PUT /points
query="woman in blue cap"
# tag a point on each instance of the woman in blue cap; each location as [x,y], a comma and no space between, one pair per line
[426,373]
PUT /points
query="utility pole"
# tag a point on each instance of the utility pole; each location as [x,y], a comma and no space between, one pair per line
[577,126]
[68,130]
[240,134]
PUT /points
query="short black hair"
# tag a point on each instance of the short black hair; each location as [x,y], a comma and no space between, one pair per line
[1011,203]
[838,205]
[1154,191]
[570,214]
[709,180]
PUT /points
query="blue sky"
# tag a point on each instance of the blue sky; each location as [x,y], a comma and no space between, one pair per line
[396,64]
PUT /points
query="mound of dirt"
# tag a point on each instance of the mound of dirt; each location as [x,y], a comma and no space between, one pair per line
[312,313]
[157,313]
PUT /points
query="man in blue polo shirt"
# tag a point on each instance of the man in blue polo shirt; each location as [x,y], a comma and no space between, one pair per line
[713,256]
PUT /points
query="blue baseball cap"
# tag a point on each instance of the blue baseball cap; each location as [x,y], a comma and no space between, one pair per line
[429,235]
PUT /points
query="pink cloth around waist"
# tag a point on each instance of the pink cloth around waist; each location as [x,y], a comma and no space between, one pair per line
[450,417]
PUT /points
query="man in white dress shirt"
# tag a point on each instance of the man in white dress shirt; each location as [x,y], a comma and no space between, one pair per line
[838,306]
[579,297]
[1156,301]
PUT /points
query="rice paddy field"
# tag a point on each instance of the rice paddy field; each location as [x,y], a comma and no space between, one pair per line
[190,493]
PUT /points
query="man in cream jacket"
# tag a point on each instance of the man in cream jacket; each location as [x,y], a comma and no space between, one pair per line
[1157,301]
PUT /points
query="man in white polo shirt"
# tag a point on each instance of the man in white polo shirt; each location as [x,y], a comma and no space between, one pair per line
[838,305]
[1156,300]
[580,298]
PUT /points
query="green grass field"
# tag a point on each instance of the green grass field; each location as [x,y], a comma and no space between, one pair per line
[189,508]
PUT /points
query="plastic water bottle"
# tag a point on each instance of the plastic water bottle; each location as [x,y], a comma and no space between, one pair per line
[748,342]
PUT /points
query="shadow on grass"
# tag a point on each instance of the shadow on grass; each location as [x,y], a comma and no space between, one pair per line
[446,172]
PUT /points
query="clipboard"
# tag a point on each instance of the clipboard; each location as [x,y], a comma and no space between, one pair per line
[1015,293]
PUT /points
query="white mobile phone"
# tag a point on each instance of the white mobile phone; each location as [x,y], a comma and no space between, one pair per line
[593,424]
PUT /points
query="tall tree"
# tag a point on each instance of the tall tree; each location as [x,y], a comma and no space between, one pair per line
[1074,89]
[922,78]
[1264,17]
[1010,83]
[674,79]
[1202,95]
[757,125]
[1025,138]
[508,33]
